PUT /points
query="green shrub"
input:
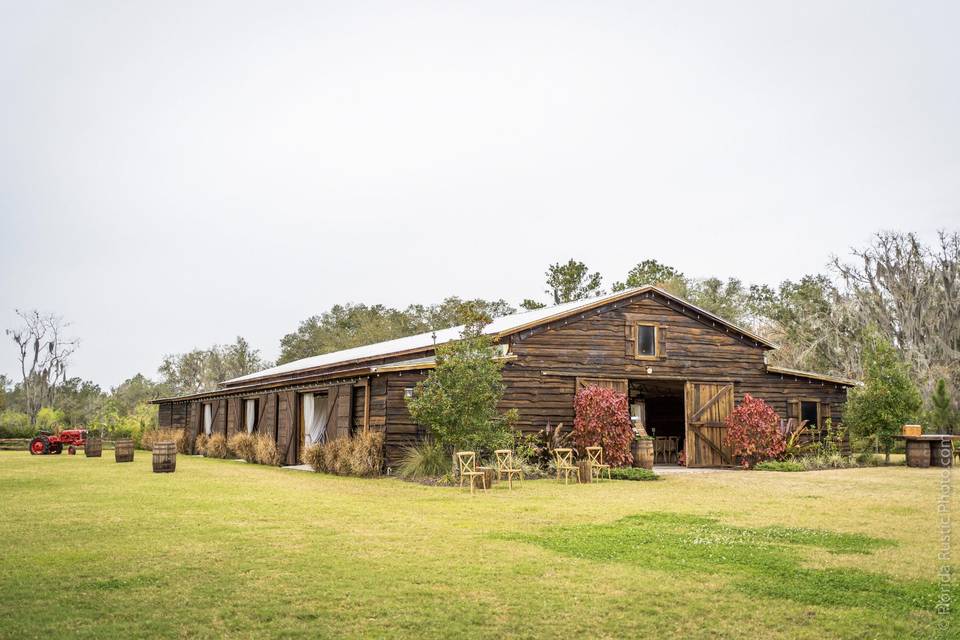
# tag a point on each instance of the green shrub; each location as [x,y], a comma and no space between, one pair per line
[780,465]
[267,452]
[632,473]
[216,446]
[425,460]
[243,445]
[14,424]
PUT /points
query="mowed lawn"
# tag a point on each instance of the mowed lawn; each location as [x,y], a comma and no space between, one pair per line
[91,548]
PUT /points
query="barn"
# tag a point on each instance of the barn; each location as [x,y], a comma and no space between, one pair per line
[682,368]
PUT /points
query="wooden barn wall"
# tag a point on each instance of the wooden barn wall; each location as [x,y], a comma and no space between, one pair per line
[234,416]
[358,406]
[219,416]
[600,345]
[178,415]
[267,415]
[401,431]
[165,415]
[287,427]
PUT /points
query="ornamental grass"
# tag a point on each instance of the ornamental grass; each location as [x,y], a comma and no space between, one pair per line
[243,445]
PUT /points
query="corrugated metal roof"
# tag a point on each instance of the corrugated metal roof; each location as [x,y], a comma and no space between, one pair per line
[499,327]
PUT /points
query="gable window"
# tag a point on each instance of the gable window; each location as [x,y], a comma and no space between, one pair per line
[810,411]
[207,418]
[647,341]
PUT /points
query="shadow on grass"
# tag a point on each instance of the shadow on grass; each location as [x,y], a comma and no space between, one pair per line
[764,561]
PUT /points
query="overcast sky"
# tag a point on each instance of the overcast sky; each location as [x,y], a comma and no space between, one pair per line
[173,177]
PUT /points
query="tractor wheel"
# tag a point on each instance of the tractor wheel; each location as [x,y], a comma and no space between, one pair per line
[72,450]
[39,446]
[56,448]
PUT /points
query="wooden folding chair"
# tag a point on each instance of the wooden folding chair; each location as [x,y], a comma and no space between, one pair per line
[564,459]
[505,466]
[595,456]
[467,461]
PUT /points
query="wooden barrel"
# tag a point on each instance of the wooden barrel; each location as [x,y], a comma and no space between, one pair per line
[918,453]
[164,457]
[123,450]
[643,454]
[941,453]
[93,448]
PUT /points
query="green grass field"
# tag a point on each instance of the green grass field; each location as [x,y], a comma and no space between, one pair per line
[91,548]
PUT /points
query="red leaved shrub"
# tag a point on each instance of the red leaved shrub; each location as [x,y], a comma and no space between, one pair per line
[753,430]
[602,419]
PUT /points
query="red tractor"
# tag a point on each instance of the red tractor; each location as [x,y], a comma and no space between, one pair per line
[45,442]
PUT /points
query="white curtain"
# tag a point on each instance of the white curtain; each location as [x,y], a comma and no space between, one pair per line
[314,418]
[208,419]
[250,406]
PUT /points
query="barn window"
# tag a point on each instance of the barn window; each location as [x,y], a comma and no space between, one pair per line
[810,411]
[647,341]
[250,414]
[207,418]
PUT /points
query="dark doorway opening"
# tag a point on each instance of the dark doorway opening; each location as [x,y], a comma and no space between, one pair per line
[659,406]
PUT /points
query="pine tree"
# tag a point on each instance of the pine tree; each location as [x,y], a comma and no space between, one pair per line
[942,417]
[888,398]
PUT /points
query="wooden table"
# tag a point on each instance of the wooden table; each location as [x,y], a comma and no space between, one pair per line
[930,450]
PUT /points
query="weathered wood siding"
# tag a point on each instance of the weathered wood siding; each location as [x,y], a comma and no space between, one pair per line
[541,381]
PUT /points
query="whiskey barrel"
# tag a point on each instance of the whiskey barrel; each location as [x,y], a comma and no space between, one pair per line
[164,457]
[643,454]
[918,453]
[941,453]
[123,450]
[586,470]
[93,448]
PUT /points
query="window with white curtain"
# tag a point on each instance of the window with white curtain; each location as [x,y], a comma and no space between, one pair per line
[250,414]
[207,418]
[314,418]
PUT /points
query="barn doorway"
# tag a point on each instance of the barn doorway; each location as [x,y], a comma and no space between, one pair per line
[708,405]
[658,405]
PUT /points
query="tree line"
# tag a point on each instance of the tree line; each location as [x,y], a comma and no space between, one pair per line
[896,289]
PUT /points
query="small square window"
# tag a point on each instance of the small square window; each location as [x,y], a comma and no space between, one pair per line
[646,341]
[810,411]
[408,392]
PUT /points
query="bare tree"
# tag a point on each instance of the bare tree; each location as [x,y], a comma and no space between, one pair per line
[44,353]
[912,293]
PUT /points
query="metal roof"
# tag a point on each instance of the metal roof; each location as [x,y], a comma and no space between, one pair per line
[499,327]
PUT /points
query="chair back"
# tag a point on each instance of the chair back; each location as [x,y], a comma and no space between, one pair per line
[595,455]
[467,460]
[504,459]
[564,457]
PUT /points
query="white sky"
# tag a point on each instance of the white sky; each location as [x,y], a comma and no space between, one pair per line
[173,176]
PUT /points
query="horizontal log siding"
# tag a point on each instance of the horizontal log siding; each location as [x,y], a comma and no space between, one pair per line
[401,430]
[597,346]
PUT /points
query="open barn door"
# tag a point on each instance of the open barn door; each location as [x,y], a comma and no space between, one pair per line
[708,404]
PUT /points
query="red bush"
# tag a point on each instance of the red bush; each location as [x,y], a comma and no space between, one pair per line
[602,419]
[754,433]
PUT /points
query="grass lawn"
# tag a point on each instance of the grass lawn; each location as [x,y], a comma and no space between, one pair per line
[91,548]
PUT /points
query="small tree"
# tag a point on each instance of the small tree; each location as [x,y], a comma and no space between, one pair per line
[602,419]
[942,416]
[888,398]
[753,430]
[458,400]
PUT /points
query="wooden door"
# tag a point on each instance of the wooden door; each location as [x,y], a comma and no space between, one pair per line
[708,404]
